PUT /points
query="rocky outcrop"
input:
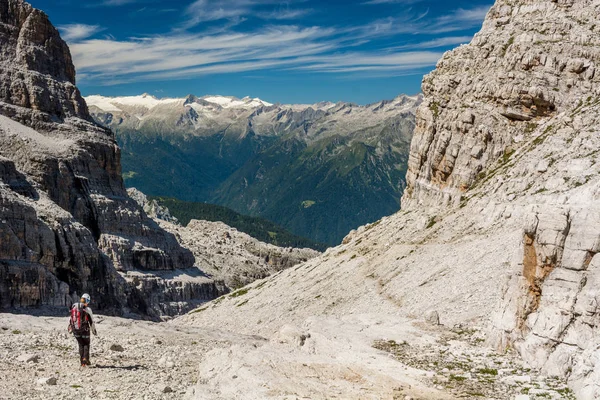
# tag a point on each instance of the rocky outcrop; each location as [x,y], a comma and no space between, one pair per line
[530,61]
[36,70]
[518,107]
[67,223]
[151,207]
[234,257]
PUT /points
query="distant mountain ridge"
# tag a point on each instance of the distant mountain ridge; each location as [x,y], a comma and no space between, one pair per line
[318,170]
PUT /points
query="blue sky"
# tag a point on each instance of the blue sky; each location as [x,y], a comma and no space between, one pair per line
[294,51]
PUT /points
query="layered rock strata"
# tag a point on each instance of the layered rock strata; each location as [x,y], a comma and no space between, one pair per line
[67,223]
[531,60]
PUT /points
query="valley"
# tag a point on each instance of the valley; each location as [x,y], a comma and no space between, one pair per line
[317,170]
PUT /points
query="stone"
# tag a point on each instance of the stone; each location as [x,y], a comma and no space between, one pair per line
[542,166]
[47,381]
[28,358]
[167,389]
[117,348]
[432,317]
[290,334]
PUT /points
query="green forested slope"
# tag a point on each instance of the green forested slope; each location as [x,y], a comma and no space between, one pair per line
[259,228]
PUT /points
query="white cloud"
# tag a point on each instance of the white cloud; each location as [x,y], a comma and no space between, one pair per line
[460,19]
[183,55]
[373,2]
[236,10]
[75,32]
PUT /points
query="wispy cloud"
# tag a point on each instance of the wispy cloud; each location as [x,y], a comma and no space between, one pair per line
[372,2]
[237,10]
[75,32]
[119,2]
[460,19]
[183,54]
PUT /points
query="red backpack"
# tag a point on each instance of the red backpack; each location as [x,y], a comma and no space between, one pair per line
[79,318]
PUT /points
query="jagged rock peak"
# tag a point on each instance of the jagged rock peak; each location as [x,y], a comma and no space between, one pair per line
[37,71]
[530,61]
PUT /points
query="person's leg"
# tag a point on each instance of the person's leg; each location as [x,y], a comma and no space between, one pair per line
[86,350]
[81,343]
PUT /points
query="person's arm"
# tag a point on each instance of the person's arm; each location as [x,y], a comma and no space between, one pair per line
[70,327]
[92,321]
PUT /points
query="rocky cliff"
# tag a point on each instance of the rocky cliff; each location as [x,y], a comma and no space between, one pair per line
[36,67]
[531,60]
[67,224]
[500,222]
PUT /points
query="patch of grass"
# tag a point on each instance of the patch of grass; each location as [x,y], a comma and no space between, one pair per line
[457,378]
[507,155]
[373,225]
[565,391]
[488,371]
[308,203]
[129,174]
[242,303]
[432,222]
[510,42]
[260,285]
[435,109]
[239,293]
[16,332]
[199,310]
[530,127]
[76,386]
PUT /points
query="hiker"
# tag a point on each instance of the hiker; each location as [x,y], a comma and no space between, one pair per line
[80,325]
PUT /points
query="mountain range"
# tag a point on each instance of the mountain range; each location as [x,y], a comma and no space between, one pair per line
[318,170]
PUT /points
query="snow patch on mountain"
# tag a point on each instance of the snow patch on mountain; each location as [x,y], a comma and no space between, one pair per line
[111,104]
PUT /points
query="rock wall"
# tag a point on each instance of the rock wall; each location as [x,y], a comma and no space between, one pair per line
[512,118]
[36,67]
[531,60]
[65,216]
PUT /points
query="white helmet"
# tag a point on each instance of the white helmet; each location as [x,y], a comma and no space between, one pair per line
[86,298]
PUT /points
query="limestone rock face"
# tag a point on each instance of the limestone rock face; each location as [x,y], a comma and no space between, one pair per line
[67,224]
[234,257]
[36,67]
[531,60]
[151,207]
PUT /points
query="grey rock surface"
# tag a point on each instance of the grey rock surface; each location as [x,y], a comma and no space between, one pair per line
[36,67]
[234,257]
[66,222]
